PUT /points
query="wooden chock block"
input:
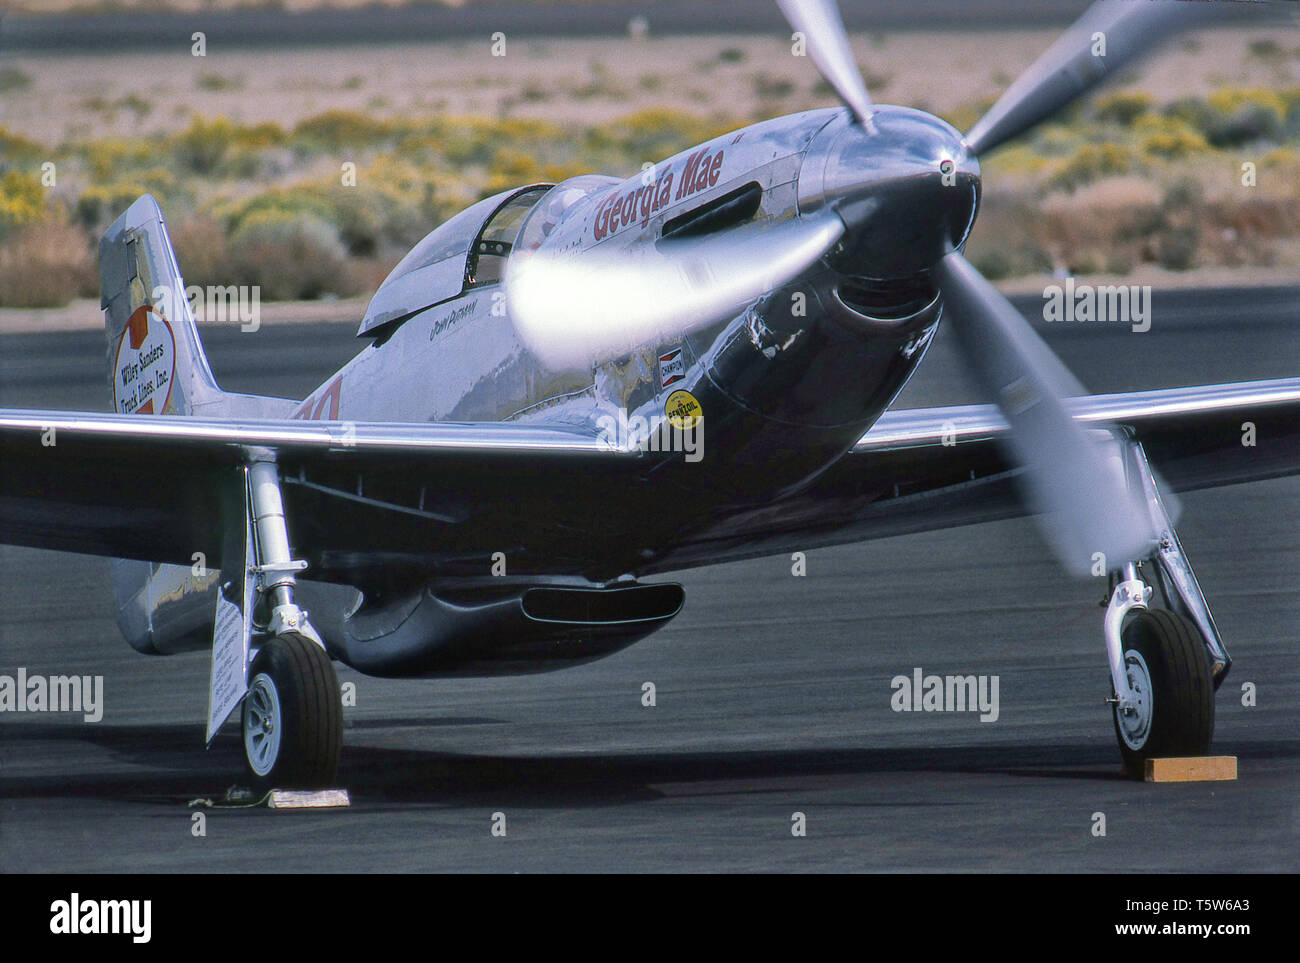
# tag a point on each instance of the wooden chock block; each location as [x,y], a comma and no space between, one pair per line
[1192,769]
[308,799]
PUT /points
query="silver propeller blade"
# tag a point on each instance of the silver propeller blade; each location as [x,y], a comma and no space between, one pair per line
[573,312]
[1070,479]
[823,29]
[1074,64]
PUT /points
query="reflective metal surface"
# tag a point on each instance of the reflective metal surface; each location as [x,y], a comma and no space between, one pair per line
[908,189]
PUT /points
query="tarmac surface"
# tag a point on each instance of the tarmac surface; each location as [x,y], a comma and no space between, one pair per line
[772,692]
[252,27]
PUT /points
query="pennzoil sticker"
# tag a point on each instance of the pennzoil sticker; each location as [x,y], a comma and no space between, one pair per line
[672,368]
[146,363]
[682,410]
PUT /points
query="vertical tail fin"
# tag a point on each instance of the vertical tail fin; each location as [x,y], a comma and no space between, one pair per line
[156,363]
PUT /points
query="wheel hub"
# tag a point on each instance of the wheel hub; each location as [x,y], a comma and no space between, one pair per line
[1135,719]
[261,724]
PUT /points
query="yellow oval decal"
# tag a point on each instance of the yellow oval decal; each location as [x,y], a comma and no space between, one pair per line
[682,410]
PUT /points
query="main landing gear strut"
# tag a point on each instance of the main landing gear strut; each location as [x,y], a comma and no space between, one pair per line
[1165,663]
[293,714]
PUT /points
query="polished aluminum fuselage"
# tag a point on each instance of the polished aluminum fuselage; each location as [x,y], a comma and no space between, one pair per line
[785,388]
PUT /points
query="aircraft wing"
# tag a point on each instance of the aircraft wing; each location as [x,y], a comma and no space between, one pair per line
[365,500]
[931,468]
[151,487]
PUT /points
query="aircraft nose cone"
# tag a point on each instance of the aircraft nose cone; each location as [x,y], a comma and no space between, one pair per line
[907,188]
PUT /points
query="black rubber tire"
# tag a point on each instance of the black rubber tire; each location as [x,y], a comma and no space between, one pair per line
[1182,689]
[311,712]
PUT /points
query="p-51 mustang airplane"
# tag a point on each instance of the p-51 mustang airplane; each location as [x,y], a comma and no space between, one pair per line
[479,490]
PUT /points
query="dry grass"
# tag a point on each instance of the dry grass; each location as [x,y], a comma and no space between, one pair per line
[244,149]
[46,265]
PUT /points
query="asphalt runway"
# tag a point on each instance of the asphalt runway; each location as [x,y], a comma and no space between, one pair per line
[250,27]
[773,692]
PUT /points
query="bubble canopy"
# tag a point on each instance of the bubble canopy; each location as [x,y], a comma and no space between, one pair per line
[435,269]
[551,209]
[470,249]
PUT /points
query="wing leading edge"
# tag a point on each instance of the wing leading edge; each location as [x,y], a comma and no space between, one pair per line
[930,468]
[149,487]
[365,497]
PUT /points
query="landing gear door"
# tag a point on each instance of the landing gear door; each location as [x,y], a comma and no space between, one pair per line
[232,633]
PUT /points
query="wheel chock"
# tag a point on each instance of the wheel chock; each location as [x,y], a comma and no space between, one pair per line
[308,799]
[1191,769]
[238,797]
